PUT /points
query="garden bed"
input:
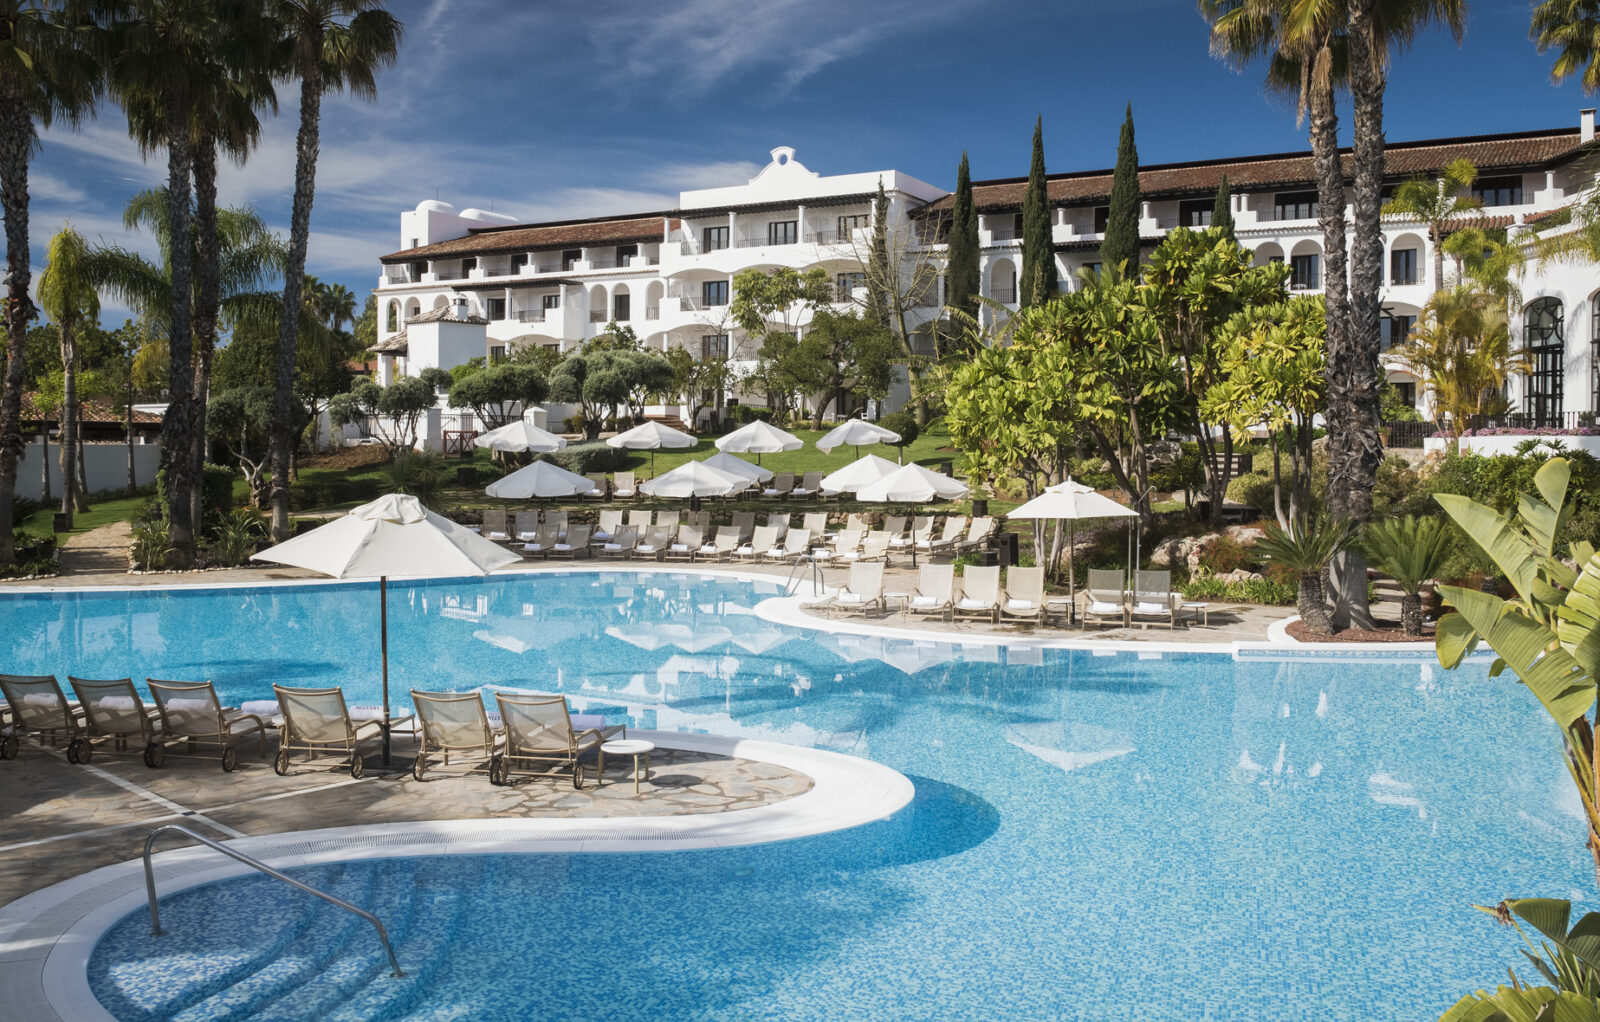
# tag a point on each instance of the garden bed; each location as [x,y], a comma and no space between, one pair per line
[1387,631]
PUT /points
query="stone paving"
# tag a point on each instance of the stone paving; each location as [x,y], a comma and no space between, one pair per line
[58,820]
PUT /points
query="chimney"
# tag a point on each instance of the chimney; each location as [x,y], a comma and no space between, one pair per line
[1586,125]
[461,304]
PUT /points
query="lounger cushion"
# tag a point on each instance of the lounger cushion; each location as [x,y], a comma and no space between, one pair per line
[526,535]
[1097,607]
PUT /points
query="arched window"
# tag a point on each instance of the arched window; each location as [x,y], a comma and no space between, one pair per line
[1543,333]
[392,320]
[1594,354]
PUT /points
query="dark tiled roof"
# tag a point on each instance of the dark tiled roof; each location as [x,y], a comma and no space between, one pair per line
[530,237]
[446,314]
[91,412]
[1489,153]
[396,345]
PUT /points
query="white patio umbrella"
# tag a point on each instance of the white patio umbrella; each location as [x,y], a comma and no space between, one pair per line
[693,479]
[858,473]
[856,433]
[650,436]
[519,436]
[912,484]
[392,536]
[724,462]
[759,438]
[540,479]
[1072,501]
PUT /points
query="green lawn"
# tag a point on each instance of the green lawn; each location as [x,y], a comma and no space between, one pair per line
[101,512]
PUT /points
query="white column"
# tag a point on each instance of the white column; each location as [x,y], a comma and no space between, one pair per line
[733,229]
[800,223]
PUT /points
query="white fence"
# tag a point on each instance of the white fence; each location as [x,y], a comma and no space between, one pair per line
[105,465]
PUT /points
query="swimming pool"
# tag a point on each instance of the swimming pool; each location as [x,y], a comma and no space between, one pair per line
[1177,836]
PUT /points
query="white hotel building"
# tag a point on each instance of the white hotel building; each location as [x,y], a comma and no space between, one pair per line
[476,284]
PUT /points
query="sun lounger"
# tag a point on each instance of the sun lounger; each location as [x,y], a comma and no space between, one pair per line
[1024,595]
[780,520]
[538,731]
[980,593]
[452,723]
[796,544]
[597,486]
[557,520]
[689,539]
[640,519]
[38,707]
[610,522]
[844,542]
[701,520]
[191,715]
[921,528]
[655,543]
[810,486]
[856,523]
[864,591]
[524,525]
[781,487]
[543,541]
[722,546]
[977,536]
[317,722]
[954,526]
[934,588]
[113,714]
[759,544]
[745,522]
[1106,597]
[874,547]
[494,526]
[1153,599]
[576,544]
[816,523]
[895,526]
[622,544]
[623,486]
[668,519]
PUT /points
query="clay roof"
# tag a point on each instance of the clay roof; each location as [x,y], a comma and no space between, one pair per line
[396,345]
[1490,153]
[446,314]
[1547,214]
[96,411]
[529,237]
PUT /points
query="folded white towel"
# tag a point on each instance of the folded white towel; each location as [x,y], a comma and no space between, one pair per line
[613,546]
[600,535]
[118,704]
[709,548]
[1019,604]
[851,598]
[645,548]
[925,601]
[562,546]
[526,535]
[968,603]
[41,699]
[1151,608]
[496,535]
[532,547]
[1098,607]
[181,705]
[679,548]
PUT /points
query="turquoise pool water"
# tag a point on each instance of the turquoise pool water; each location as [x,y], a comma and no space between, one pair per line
[1190,836]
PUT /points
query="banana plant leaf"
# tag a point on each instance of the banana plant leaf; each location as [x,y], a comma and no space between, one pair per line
[1509,1004]
[1510,550]
[1528,648]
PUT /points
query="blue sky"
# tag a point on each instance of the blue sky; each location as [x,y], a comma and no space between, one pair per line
[546,109]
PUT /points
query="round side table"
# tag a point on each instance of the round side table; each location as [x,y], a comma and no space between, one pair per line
[638,750]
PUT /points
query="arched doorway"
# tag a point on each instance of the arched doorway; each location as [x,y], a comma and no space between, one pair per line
[1544,335]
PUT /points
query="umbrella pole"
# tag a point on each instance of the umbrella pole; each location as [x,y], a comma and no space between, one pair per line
[1072,578]
[383,630]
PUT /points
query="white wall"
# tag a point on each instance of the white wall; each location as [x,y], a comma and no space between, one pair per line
[106,466]
[1491,445]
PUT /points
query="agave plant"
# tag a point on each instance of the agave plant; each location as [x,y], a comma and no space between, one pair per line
[1411,551]
[150,547]
[238,535]
[1305,549]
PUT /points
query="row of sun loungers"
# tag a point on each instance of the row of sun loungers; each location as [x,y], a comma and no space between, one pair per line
[530,735]
[625,486]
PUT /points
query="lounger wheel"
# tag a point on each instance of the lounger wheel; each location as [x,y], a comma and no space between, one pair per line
[155,754]
[280,762]
[419,766]
[499,770]
[230,758]
[577,775]
[72,751]
[85,750]
[8,747]
[358,766]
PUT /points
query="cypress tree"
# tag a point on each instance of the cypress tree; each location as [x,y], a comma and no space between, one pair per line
[1121,244]
[1038,254]
[961,263]
[879,278]
[1222,209]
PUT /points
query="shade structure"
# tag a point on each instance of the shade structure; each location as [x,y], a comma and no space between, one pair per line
[856,433]
[738,467]
[1072,501]
[519,436]
[694,479]
[759,438]
[912,484]
[393,536]
[858,473]
[540,479]
[651,436]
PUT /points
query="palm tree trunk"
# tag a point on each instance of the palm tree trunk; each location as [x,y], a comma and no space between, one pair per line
[69,401]
[207,300]
[16,142]
[177,428]
[1436,238]
[1312,604]
[133,476]
[82,489]
[1411,614]
[305,179]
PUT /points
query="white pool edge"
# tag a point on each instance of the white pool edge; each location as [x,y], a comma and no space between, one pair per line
[46,937]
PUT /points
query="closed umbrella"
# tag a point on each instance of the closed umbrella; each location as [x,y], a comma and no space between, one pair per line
[1072,501]
[392,536]
[859,473]
[518,437]
[759,438]
[912,484]
[540,479]
[650,436]
[857,434]
[724,462]
[693,479]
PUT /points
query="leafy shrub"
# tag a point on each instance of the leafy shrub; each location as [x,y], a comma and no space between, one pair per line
[743,415]
[419,473]
[903,423]
[573,423]
[1209,587]
[150,548]
[1253,489]
[35,555]
[237,537]
[1224,554]
[589,456]
[216,492]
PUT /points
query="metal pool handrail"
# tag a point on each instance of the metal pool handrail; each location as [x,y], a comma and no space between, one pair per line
[155,915]
[816,575]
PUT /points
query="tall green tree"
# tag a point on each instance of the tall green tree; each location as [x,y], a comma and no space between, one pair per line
[962,276]
[1119,251]
[332,45]
[1570,28]
[1222,209]
[48,75]
[1039,280]
[67,293]
[879,302]
[1434,202]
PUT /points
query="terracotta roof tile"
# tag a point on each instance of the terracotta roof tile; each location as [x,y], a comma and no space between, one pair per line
[1547,214]
[529,237]
[396,345]
[96,411]
[446,314]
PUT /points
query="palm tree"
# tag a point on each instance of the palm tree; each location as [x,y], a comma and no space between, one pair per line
[1572,29]
[1305,548]
[337,45]
[1412,551]
[1461,348]
[1435,202]
[67,293]
[48,74]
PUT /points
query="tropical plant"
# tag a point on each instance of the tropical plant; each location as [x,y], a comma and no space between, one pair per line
[1222,209]
[1304,550]
[237,536]
[1412,551]
[419,473]
[905,424]
[150,545]
[1572,29]
[1038,247]
[392,411]
[67,293]
[1461,348]
[1485,259]
[332,45]
[1435,202]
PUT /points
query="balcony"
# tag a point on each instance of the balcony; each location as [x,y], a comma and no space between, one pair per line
[1004,293]
[400,275]
[530,315]
[1004,234]
[652,312]
[1403,279]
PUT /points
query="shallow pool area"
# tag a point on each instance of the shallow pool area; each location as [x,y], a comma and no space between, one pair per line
[1093,834]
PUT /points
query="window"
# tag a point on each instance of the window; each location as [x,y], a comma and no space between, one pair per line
[1543,334]
[1195,212]
[414,242]
[570,258]
[626,253]
[1394,329]
[714,292]
[1498,191]
[783,232]
[1403,266]
[392,319]
[1594,353]
[495,307]
[1294,206]
[1102,215]
[1092,267]
[468,265]
[552,301]
[853,222]
[518,262]
[497,353]
[1305,272]
[713,346]
[620,309]
[713,239]
[1406,392]
[846,283]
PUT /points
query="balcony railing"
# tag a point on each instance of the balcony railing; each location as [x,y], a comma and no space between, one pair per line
[602,264]
[449,275]
[829,237]
[597,316]
[400,276]
[1403,279]
[530,315]
[1005,294]
[652,312]
[1004,234]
